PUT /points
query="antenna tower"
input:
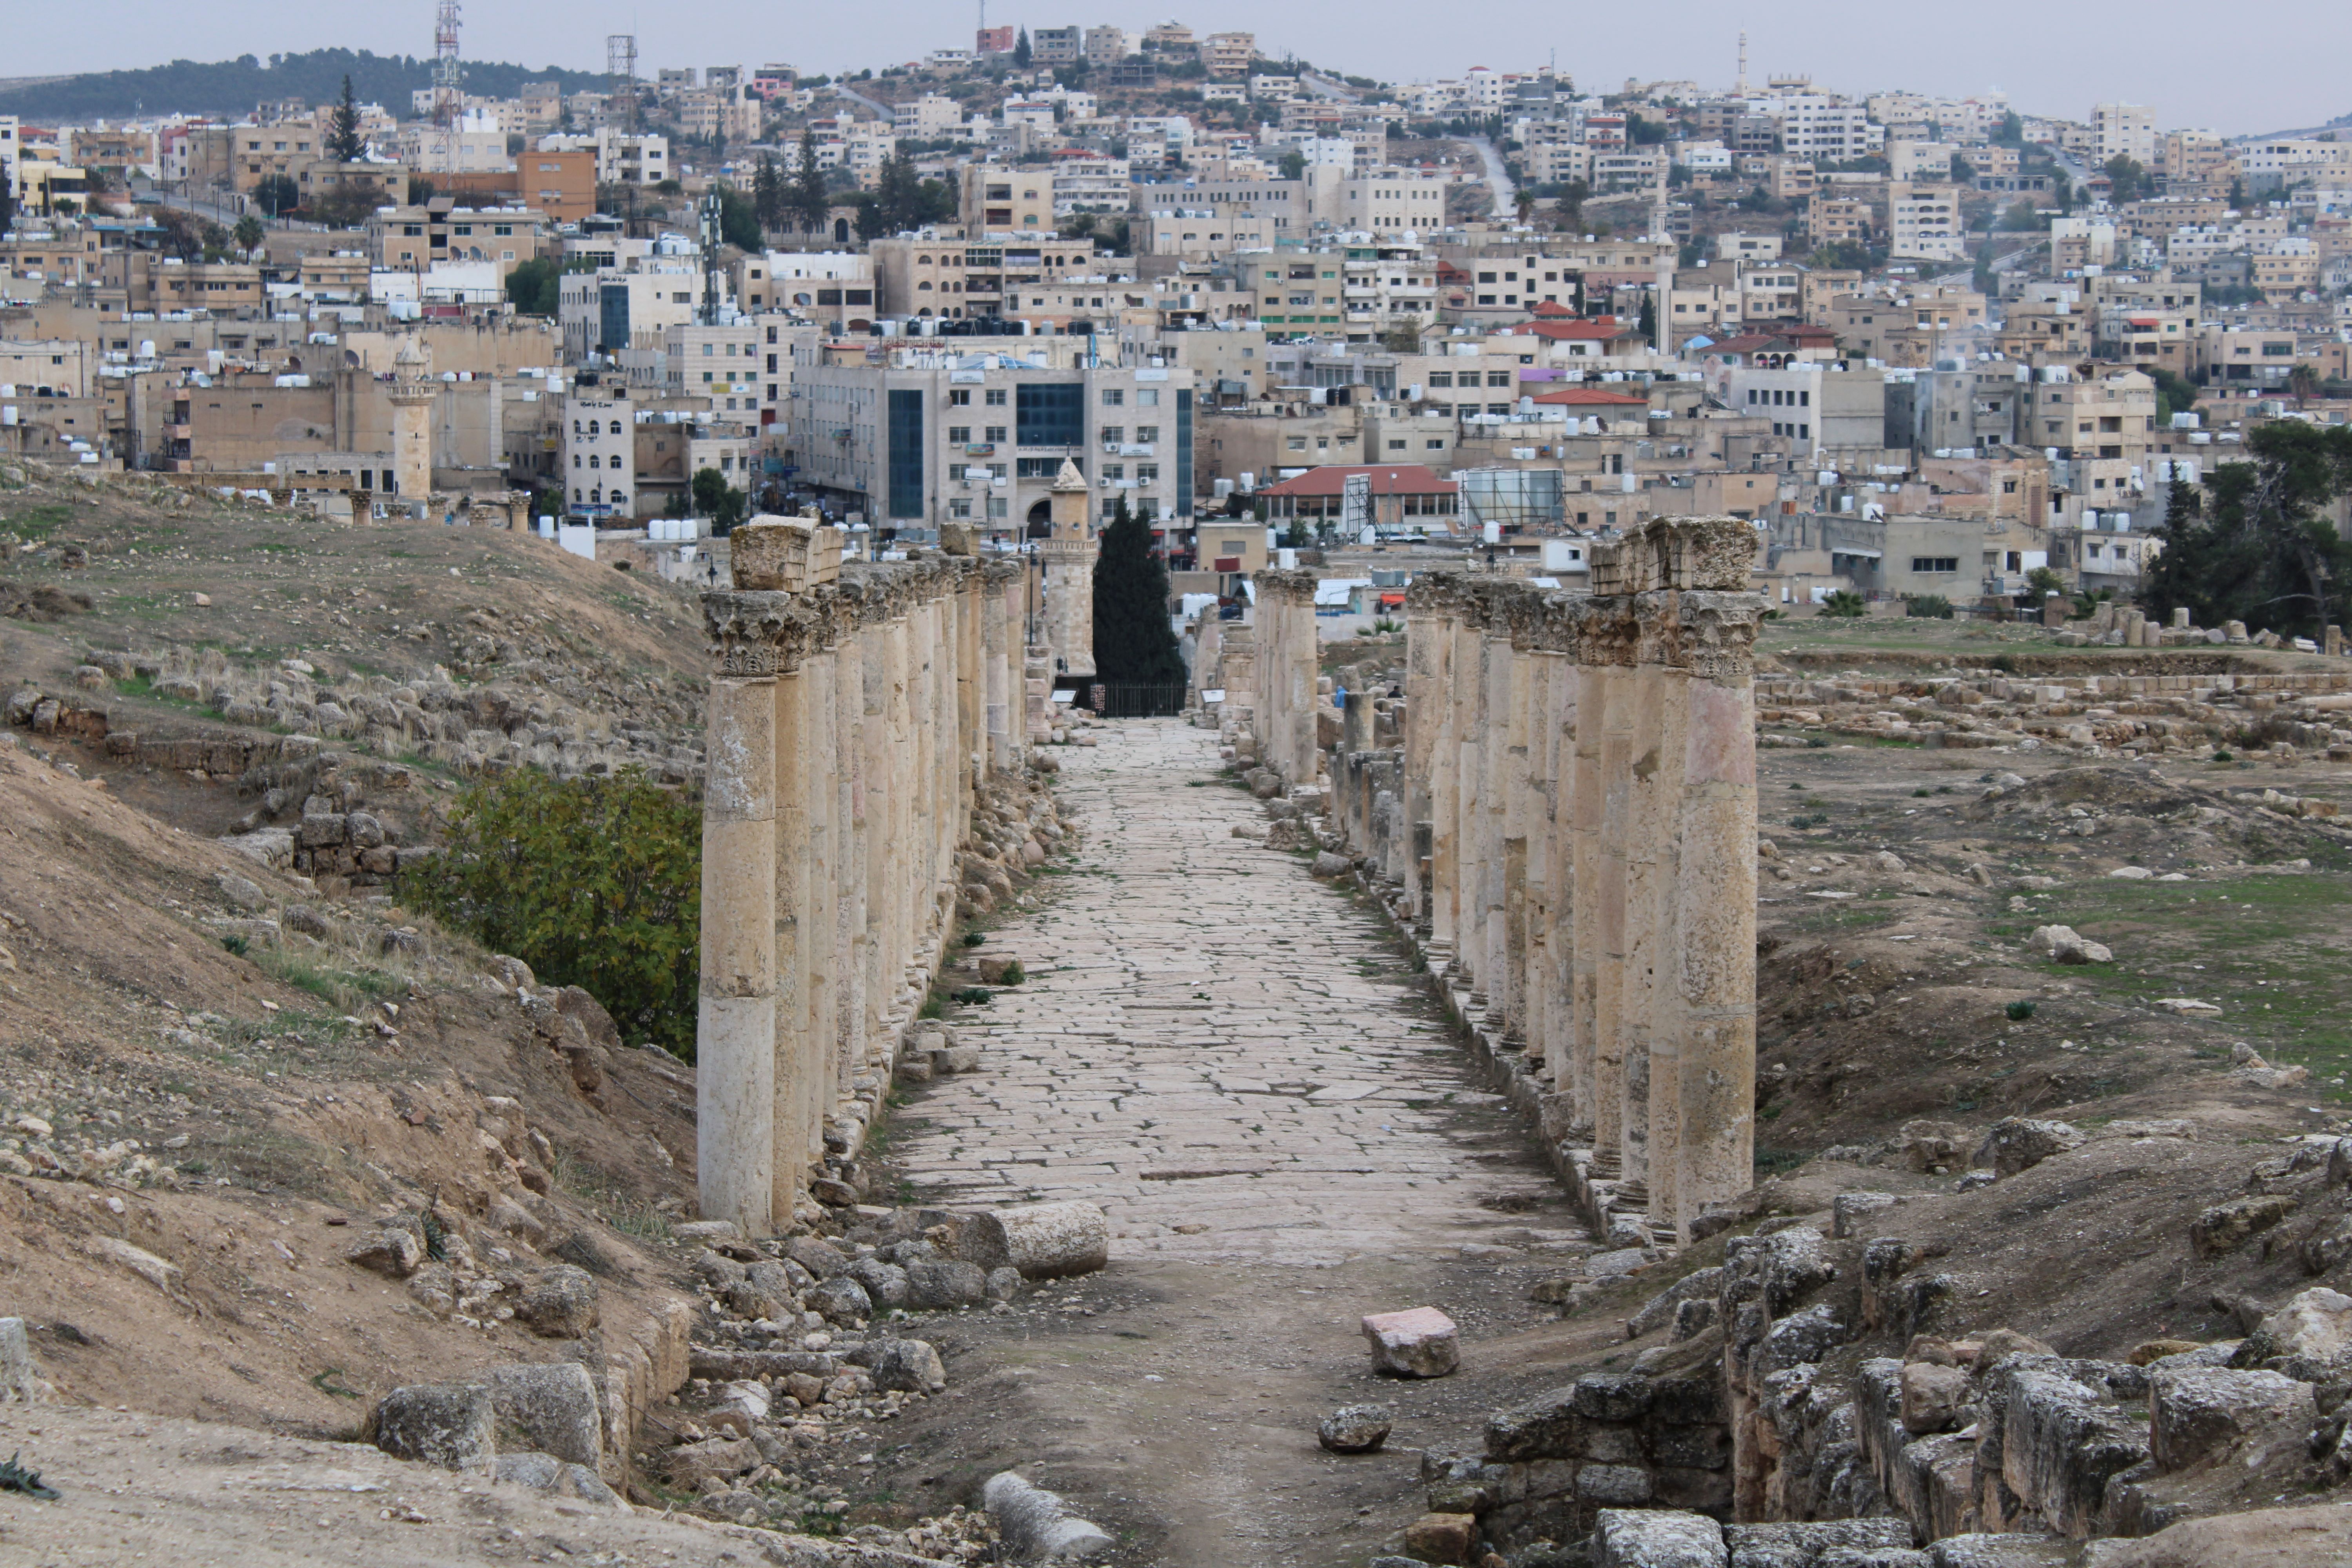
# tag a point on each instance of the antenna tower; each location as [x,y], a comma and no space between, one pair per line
[447,100]
[621,66]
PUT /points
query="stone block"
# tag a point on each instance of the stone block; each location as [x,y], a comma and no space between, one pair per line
[1658,1539]
[2227,1226]
[1043,1241]
[2316,1323]
[931,1287]
[550,1407]
[841,1299]
[820,1259]
[1442,1538]
[2018,1143]
[1420,1341]
[2200,1413]
[1036,1525]
[453,1425]
[1355,1429]
[909,1366]
[689,1464]
[558,1303]
[784,554]
[1935,1398]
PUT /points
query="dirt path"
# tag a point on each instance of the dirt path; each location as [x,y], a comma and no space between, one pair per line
[1232,1060]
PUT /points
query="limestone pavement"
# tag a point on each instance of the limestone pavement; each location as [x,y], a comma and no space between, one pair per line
[1211,1046]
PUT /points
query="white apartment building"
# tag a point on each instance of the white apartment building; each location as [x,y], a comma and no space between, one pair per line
[927,117]
[2123,130]
[1924,224]
[12,144]
[599,450]
[1826,130]
[622,158]
[725,364]
[1106,45]
[1392,201]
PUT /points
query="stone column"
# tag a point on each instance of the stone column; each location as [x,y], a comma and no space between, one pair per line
[995,641]
[1650,910]
[1715,973]
[797,1094]
[882,786]
[854,1039]
[1424,653]
[1444,770]
[1555,918]
[1589,622]
[818,931]
[1306,681]
[735,1020]
[1608,884]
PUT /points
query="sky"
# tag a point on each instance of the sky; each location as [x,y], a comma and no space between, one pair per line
[2278,71]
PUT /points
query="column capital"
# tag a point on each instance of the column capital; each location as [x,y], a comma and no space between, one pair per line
[758,632]
[1714,635]
[1603,629]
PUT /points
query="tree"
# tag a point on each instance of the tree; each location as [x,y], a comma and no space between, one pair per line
[1021,54]
[535,287]
[421,190]
[1844,604]
[768,193]
[1648,325]
[277,195]
[717,499]
[739,225]
[1294,164]
[898,193]
[2012,132]
[1134,644]
[870,226]
[2175,394]
[2237,193]
[2127,181]
[8,205]
[344,143]
[248,233]
[2254,543]
[592,882]
[809,202]
[2020,217]
[1963,172]
[2303,383]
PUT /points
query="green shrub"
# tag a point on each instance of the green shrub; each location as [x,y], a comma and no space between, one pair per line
[592,882]
[1846,605]
[974,938]
[1013,974]
[2019,1011]
[1927,606]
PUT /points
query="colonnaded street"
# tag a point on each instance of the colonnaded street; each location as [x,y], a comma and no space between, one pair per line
[1237,1063]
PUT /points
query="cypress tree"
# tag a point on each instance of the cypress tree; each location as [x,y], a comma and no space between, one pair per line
[810,201]
[1134,644]
[344,141]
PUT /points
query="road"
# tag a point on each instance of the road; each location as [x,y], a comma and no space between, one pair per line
[1498,179]
[1324,87]
[884,110]
[1230,1058]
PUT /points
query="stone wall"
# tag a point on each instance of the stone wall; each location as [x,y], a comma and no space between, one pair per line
[1568,830]
[852,725]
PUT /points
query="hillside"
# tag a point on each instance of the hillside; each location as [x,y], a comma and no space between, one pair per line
[234,87]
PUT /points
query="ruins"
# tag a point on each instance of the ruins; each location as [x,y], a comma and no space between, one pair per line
[853,717]
[1569,824]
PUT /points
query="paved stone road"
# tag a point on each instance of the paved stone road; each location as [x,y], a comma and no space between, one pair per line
[1224,1053]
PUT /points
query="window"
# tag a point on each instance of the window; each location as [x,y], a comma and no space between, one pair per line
[1935,564]
[1147,432]
[958,435]
[995,399]
[1441,378]
[1112,435]
[960,397]
[1498,378]
[1396,446]
[1298,443]
[1147,473]
[1112,396]
[995,433]
[1147,397]
[1113,471]
[1434,444]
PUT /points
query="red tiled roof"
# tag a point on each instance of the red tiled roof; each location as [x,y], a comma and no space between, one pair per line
[1551,309]
[1592,397]
[1331,480]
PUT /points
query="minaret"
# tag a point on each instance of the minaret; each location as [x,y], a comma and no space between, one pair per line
[413,393]
[1741,90]
[1068,560]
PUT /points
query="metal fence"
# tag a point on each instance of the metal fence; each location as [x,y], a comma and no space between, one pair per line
[1127,701]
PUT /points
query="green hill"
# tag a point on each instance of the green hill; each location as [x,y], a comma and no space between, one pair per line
[234,87]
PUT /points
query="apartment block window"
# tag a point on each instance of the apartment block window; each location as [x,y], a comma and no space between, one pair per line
[995,399]
[1112,435]
[957,397]
[1441,378]
[1147,473]
[958,435]
[1147,397]
[1114,396]
[1935,564]
[995,433]
[1498,378]
[1147,432]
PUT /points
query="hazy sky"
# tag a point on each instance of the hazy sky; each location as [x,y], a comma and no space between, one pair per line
[2237,70]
